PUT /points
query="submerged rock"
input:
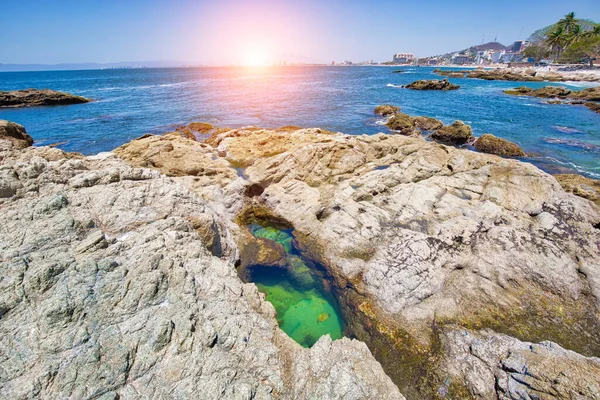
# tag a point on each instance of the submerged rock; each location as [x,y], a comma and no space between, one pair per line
[386,110]
[456,134]
[494,145]
[38,97]
[593,106]
[15,134]
[442,85]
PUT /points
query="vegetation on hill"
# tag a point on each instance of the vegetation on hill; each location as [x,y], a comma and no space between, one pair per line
[569,40]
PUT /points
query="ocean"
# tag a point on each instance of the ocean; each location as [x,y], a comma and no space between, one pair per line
[129,103]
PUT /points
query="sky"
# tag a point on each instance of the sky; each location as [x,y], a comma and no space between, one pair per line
[222,32]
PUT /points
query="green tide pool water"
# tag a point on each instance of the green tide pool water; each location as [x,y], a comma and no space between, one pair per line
[305,310]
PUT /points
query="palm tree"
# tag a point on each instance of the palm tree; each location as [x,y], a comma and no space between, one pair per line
[556,40]
[576,35]
[592,33]
[568,23]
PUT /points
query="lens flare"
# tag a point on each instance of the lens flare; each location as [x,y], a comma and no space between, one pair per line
[255,55]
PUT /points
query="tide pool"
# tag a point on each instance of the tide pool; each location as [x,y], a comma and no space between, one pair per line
[305,310]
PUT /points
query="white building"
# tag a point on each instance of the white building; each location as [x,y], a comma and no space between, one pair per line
[403,58]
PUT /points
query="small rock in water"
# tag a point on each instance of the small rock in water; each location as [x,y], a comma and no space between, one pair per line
[323,317]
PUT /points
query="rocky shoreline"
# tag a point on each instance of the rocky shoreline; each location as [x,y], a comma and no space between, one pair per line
[522,75]
[38,97]
[450,267]
[589,97]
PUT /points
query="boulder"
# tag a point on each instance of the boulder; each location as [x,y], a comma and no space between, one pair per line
[456,134]
[427,123]
[15,134]
[520,91]
[38,97]
[403,124]
[494,145]
[442,85]
[386,110]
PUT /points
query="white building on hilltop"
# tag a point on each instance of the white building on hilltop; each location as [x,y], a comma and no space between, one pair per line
[403,58]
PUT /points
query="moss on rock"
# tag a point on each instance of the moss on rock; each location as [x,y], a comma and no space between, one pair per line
[494,145]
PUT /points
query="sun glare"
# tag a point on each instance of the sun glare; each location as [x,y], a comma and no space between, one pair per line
[255,55]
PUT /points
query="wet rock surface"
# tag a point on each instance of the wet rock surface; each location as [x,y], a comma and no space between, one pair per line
[443,85]
[116,268]
[38,97]
[589,97]
[386,110]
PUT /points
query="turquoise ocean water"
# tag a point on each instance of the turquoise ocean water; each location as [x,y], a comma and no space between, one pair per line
[130,103]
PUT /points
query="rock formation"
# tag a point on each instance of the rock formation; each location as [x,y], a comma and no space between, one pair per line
[590,97]
[456,134]
[494,145]
[386,110]
[38,97]
[15,134]
[403,124]
[110,289]
[520,75]
[433,84]
[120,281]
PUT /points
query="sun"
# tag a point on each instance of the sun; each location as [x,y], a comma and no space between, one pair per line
[255,55]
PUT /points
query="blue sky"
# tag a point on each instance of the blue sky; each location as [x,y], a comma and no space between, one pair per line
[225,31]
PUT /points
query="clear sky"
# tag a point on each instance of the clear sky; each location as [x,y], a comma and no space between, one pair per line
[246,31]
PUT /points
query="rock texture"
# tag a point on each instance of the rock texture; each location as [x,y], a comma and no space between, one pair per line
[15,134]
[496,366]
[456,134]
[38,97]
[494,145]
[112,287]
[580,186]
[119,281]
[386,110]
[590,97]
[433,84]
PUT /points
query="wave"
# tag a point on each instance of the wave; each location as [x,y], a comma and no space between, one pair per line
[394,86]
[572,166]
[566,129]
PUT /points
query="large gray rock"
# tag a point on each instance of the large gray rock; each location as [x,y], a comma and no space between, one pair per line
[496,366]
[108,291]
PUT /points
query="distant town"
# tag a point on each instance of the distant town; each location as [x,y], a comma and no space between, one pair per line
[484,54]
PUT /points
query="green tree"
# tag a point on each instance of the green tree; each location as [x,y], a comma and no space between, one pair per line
[557,40]
[568,23]
[537,52]
[584,50]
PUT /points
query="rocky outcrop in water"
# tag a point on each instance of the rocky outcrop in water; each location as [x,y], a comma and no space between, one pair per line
[386,110]
[494,145]
[38,97]
[456,134]
[520,75]
[590,97]
[120,281]
[443,85]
